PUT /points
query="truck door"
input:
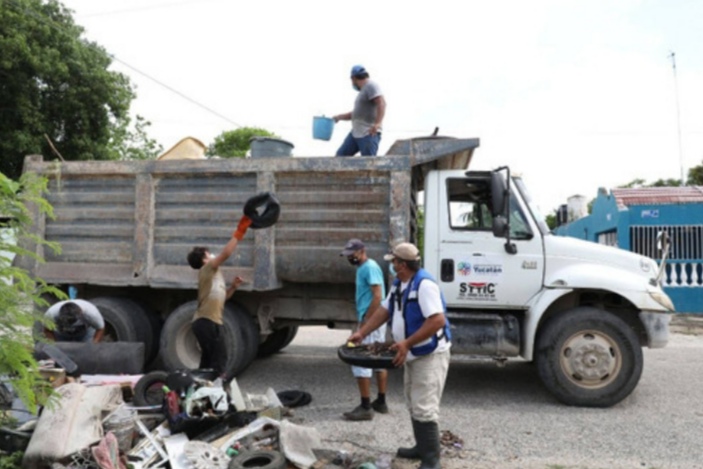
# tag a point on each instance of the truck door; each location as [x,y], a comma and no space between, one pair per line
[474,268]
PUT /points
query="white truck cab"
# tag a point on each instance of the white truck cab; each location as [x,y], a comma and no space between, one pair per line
[581,310]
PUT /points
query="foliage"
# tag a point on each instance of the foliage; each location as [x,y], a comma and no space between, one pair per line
[133,144]
[11,461]
[235,143]
[420,242]
[19,292]
[551,220]
[695,175]
[695,178]
[55,83]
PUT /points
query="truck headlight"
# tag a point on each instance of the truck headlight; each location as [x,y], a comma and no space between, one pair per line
[663,299]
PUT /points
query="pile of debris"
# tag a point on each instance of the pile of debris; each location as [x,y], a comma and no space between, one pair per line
[193,421]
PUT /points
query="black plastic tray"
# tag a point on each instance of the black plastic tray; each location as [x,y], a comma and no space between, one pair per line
[361,356]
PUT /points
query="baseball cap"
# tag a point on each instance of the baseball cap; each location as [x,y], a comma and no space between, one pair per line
[352,246]
[404,252]
[357,70]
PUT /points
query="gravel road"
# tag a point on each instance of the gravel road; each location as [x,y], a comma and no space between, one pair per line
[504,415]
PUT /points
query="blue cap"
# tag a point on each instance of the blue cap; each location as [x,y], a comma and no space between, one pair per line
[357,70]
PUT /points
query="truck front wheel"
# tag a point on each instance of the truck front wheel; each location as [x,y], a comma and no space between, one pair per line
[589,357]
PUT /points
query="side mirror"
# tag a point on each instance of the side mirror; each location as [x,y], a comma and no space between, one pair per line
[498,191]
[500,226]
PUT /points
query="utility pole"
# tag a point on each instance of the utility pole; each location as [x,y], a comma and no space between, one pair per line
[672,56]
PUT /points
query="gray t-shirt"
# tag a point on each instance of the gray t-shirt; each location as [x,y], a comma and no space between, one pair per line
[365,110]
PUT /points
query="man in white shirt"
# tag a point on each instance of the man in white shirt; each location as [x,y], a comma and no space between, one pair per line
[76,321]
[416,311]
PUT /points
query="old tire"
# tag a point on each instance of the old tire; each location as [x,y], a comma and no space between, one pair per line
[149,389]
[179,347]
[109,358]
[589,357]
[277,340]
[126,321]
[250,333]
[258,460]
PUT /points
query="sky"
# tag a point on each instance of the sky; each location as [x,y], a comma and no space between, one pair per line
[571,94]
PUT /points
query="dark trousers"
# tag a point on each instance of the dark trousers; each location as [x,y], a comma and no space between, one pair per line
[211,337]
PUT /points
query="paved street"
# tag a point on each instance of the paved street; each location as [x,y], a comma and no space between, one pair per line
[504,415]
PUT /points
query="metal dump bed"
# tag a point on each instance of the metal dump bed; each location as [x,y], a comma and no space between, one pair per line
[131,223]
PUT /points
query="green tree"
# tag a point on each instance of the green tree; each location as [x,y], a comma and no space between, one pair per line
[20,293]
[695,176]
[53,82]
[235,143]
[129,143]
[551,220]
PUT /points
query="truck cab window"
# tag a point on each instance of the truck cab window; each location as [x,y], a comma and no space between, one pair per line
[519,228]
[470,208]
[469,204]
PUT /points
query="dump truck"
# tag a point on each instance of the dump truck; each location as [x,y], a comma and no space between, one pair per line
[581,311]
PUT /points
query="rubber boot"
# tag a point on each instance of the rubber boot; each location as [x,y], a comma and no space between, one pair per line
[428,445]
[411,453]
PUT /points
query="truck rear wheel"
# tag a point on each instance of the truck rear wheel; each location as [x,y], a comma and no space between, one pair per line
[277,340]
[250,333]
[126,321]
[589,357]
[180,349]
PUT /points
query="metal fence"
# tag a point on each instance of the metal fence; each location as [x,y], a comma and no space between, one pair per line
[686,241]
[685,262]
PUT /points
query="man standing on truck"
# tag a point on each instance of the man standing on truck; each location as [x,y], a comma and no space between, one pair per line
[76,321]
[416,310]
[367,116]
[212,294]
[370,290]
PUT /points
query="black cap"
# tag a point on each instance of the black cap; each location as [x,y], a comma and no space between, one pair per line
[352,246]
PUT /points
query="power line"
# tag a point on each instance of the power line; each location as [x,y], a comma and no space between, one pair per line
[140,8]
[173,90]
[56,27]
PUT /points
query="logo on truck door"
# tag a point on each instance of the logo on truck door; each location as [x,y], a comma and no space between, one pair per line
[487,268]
[477,291]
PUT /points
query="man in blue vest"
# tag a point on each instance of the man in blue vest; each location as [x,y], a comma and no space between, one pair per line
[415,309]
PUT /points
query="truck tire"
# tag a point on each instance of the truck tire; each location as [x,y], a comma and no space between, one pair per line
[589,357]
[126,321]
[277,340]
[149,389]
[258,460]
[109,358]
[292,332]
[180,349]
[250,333]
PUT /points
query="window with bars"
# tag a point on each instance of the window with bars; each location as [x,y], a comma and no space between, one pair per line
[609,238]
[686,241]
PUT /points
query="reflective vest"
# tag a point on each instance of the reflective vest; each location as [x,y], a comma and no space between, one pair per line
[412,314]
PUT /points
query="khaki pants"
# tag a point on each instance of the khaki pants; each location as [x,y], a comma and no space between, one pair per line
[423,381]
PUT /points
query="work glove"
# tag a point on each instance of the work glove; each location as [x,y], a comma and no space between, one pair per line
[242,227]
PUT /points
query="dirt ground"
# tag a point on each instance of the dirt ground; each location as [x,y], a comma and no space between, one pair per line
[691,324]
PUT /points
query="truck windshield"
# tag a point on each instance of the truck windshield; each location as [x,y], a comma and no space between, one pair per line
[536,214]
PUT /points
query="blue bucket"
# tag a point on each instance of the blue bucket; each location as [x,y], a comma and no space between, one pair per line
[322,127]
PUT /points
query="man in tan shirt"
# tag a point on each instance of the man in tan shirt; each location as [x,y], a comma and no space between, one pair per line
[212,294]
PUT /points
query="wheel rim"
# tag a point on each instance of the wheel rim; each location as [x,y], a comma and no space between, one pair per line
[187,348]
[590,359]
[110,334]
[154,394]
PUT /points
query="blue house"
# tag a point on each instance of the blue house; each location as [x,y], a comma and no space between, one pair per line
[633,218]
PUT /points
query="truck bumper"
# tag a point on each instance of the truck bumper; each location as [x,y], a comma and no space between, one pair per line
[657,326]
